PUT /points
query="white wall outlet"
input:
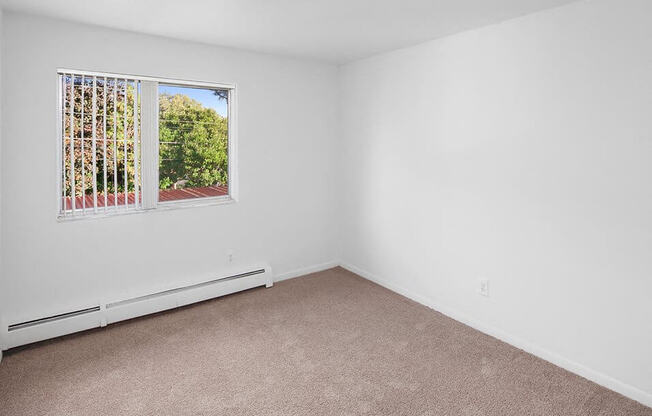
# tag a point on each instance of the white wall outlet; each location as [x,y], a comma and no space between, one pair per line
[484,287]
[229,255]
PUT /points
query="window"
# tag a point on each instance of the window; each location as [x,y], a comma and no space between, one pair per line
[131,143]
[193,142]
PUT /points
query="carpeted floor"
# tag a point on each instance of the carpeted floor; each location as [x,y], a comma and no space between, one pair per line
[329,343]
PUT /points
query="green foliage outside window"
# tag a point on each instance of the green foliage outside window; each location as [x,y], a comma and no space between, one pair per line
[193,141]
[193,144]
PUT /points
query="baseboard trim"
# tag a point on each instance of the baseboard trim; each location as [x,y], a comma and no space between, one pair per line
[547,355]
[306,270]
[133,304]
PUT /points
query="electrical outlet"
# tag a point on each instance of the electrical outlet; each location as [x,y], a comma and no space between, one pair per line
[484,287]
[229,255]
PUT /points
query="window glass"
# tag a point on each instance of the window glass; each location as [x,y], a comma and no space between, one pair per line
[193,143]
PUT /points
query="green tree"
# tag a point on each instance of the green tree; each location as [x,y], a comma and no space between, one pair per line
[193,139]
[193,144]
[115,144]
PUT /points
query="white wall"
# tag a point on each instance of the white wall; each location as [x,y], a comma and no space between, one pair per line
[1,41]
[287,121]
[519,152]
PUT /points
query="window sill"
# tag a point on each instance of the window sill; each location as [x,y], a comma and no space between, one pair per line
[162,206]
[192,203]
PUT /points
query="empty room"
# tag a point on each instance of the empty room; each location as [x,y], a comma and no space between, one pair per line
[342,207]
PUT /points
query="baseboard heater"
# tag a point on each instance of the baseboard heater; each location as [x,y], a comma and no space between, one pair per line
[93,316]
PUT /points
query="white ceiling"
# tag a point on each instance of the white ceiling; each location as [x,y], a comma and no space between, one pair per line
[329,30]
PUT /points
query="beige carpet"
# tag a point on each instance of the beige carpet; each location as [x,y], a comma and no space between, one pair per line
[329,343]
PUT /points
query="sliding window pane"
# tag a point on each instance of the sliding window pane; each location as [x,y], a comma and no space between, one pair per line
[100,138]
[193,143]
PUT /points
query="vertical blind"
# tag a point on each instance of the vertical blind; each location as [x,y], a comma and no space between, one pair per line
[100,131]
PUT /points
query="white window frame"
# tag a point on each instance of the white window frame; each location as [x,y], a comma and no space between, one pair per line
[149,133]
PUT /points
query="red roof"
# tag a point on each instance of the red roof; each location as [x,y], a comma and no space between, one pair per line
[163,196]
